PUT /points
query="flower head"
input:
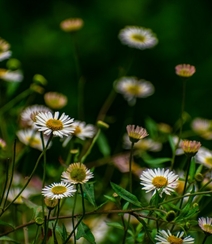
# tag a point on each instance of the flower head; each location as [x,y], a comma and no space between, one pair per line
[136,133]
[205,224]
[2,144]
[203,127]
[28,115]
[5,53]
[11,75]
[132,88]
[55,100]
[77,173]
[58,126]
[58,190]
[204,156]
[165,237]
[160,180]
[138,37]
[190,148]
[70,25]
[31,138]
[185,70]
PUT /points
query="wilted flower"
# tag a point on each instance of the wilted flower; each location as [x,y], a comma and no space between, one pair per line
[11,75]
[203,127]
[185,70]
[204,156]
[58,126]
[77,173]
[31,138]
[72,24]
[5,53]
[160,180]
[132,88]
[138,37]
[165,237]
[58,190]
[205,224]
[136,133]
[28,115]
[190,148]
[55,100]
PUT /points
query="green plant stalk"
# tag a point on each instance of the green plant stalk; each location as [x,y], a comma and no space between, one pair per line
[91,146]
[82,216]
[46,226]
[36,234]
[15,100]
[73,210]
[205,238]
[55,224]
[186,179]
[5,183]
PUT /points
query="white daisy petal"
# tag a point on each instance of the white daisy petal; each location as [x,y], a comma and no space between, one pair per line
[165,237]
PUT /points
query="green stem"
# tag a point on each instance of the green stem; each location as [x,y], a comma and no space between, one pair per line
[74,206]
[205,238]
[55,224]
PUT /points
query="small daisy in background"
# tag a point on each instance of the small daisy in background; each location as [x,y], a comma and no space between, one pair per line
[204,156]
[5,53]
[76,173]
[165,237]
[202,127]
[71,24]
[190,148]
[161,180]
[132,88]
[48,123]
[2,144]
[28,115]
[138,37]
[81,131]
[11,75]
[136,133]
[32,138]
[205,224]
[55,100]
[185,70]
[58,190]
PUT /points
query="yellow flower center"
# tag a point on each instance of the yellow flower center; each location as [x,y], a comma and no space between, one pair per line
[185,72]
[174,240]
[159,181]
[78,174]
[77,130]
[208,161]
[58,190]
[134,90]
[138,38]
[33,141]
[207,228]
[54,124]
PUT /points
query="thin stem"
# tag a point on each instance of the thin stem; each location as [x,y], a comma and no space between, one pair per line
[36,234]
[74,206]
[5,183]
[205,238]
[130,167]
[55,224]
[46,226]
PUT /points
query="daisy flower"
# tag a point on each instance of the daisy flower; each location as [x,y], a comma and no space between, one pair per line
[58,190]
[49,123]
[72,24]
[55,100]
[165,237]
[185,70]
[136,133]
[28,115]
[138,37]
[5,53]
[11,76]
[77,173]
[203,127]
[160,180]
[2,144]
[190,148]
[132,88]
[81,130]
[31,138]
[204,156]
[205,224]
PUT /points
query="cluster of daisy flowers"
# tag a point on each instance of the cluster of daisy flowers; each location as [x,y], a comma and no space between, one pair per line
[76,173]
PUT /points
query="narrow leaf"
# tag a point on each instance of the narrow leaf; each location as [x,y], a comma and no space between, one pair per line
[129,197]
[103,145]
[84,231]
[156,161]
[89,193]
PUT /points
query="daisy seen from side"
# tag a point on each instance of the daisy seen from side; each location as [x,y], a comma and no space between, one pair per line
[161,180]
[204,156]
[5,53]
[165,237]
[132,88]
[58,190]
[138,37]
[48,123]
[55,100]
[185,70]
[77,173]
[205,224]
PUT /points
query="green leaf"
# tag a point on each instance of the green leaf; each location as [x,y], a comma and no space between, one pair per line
[156,161]
[103,145]
[112,199]
[172,144]
[84,231]
[8,239]
[115,225]
[151,127]
[6,224]
[36,208]
[89,193]
[129,197]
